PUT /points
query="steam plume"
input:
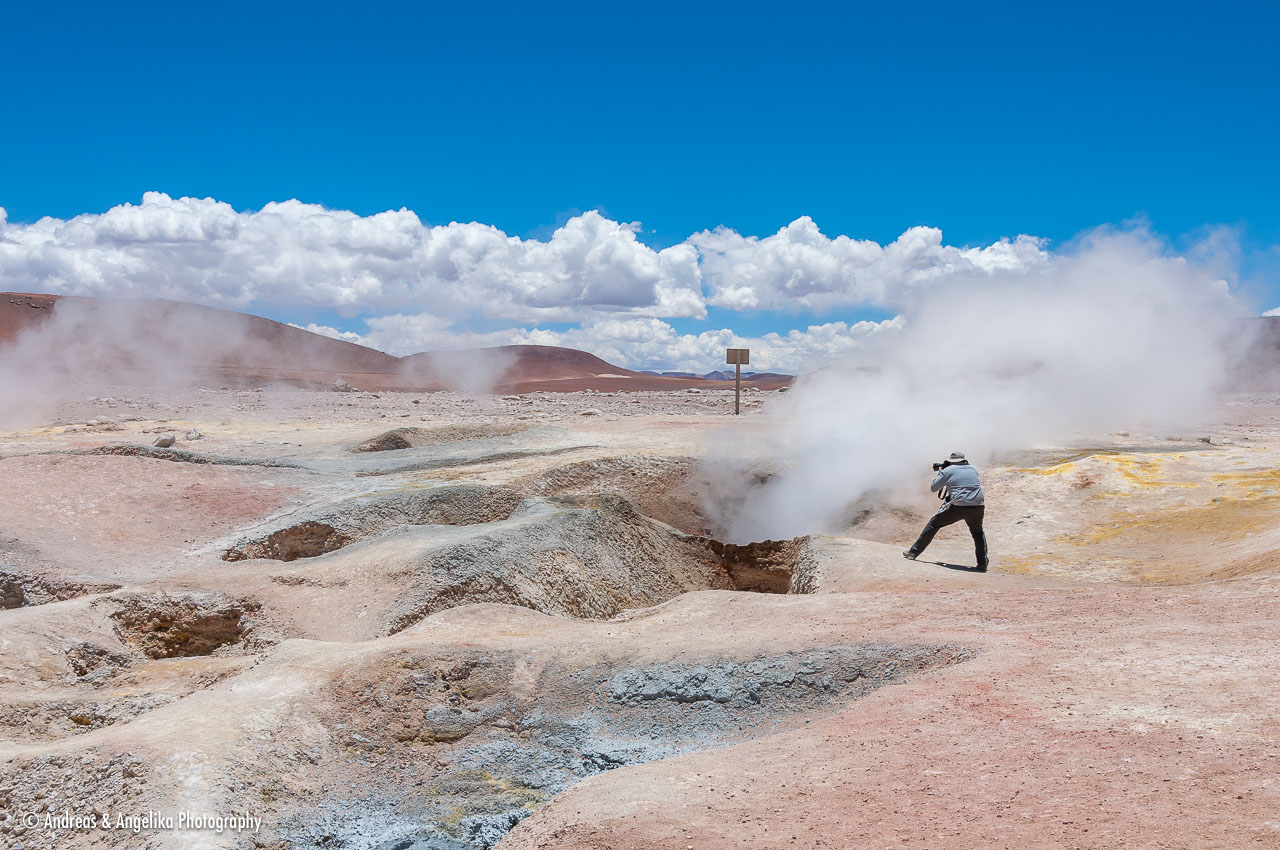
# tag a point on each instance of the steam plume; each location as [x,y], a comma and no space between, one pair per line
[1114,333]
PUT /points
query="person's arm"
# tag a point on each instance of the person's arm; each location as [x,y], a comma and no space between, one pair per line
[939,482]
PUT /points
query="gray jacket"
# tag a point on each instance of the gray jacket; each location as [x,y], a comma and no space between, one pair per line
[961,484]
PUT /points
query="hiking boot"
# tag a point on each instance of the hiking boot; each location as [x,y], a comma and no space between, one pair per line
[982,568]
[909,555]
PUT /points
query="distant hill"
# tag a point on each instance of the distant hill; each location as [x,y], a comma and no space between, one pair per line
[724,375]
[521,362]
[154,341]
[185,332]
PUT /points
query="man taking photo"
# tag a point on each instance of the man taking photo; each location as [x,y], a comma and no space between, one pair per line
[961,493]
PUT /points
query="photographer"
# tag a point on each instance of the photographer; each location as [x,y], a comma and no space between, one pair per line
[961,493]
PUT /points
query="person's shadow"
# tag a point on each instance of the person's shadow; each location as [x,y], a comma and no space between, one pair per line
[959,567]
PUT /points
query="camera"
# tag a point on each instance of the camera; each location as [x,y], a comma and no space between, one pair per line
[941,465]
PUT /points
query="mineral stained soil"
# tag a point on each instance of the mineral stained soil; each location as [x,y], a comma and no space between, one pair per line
[431,620]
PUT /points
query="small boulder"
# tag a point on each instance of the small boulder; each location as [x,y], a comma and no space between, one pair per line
[341,386]
[590,411]
[164,441]
[194,434]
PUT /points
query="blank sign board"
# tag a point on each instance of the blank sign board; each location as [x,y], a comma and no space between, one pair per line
[741,356]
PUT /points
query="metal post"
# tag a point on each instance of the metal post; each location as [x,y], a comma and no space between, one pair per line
[737,356]
[737,390]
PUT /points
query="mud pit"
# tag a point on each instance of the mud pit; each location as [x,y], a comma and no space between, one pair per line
[510,756]
[410,438]
[179,625]
[304,540]
[590,558]
[520,633]
[586,556]
[770,566]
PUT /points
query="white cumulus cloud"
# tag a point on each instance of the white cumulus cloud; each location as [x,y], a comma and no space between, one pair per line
[419,287]
[799,268]
[292,253]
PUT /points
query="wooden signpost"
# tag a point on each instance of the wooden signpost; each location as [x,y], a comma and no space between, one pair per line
[738,357]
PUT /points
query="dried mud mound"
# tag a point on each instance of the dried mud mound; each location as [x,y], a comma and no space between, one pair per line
[586,557]
[179,625]
[669,489]
[497,757]
[179,456]
[21,589]
[335,527]
[412,438]
[591,558]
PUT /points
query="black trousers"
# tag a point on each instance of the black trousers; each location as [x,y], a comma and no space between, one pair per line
[970,514]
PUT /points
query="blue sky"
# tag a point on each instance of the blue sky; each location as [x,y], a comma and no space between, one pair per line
[869,119]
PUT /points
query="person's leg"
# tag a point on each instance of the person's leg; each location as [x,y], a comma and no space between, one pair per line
[942,518]
[973,518]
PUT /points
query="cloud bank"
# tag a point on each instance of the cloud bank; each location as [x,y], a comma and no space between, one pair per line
[419,286]
[798,268]
[293,253]
[410,286]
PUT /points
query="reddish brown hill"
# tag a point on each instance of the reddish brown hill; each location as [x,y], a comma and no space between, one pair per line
[548,368]
[189,332]
[144,341]
[20,311]
[148,341]
[526,362]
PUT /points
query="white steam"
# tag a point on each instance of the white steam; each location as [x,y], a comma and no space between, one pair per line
[1112,334]
[477,372]
[83,343]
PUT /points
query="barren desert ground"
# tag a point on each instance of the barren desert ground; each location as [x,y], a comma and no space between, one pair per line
[507,625]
